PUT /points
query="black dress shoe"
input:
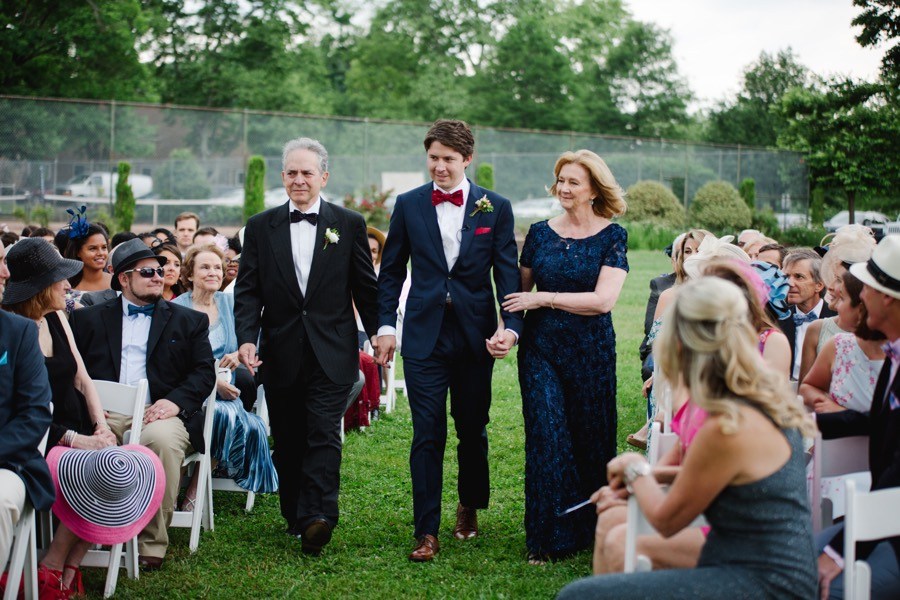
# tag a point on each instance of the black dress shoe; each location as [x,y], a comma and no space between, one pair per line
[316,535]
[149,563]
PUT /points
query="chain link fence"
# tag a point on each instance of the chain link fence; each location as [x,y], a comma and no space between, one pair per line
[196,158]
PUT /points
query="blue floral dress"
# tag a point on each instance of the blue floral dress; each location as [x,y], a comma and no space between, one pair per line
[567,373]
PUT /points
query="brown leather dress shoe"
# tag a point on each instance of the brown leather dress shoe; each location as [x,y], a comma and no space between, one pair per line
[149,563]
[316,535]
[466,523]
[426,547]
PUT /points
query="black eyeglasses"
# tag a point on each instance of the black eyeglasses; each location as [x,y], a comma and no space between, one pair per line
[147,272]
[233,261]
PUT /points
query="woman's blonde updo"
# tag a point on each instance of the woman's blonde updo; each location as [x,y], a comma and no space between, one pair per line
[707,342]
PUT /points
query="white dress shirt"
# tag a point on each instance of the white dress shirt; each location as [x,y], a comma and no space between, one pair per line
[303,243]
[135,332]
[450,221]
[800,333]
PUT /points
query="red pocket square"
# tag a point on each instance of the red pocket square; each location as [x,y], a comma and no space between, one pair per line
[482,230]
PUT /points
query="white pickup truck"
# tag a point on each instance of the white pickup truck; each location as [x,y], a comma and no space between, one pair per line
[102,185]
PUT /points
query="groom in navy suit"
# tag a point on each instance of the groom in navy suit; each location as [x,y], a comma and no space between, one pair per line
[455,233]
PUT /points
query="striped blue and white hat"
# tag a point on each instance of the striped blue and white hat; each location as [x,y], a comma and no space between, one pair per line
[106,496]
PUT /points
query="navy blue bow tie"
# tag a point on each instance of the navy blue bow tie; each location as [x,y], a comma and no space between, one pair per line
[147,309]
[297,216]
[801,319]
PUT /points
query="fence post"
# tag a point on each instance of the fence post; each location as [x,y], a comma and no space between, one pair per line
[112,151]
[739,163]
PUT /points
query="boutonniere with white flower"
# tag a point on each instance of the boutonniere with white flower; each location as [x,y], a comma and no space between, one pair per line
[484,205]
[331,237]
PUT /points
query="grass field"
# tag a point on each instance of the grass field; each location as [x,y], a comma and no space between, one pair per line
[250,556]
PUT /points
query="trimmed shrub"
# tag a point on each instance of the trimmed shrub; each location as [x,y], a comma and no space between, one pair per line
[648,236]
[182,177]
[817,207]
[125,202]
[766,222]
[718,207]
[652,202]
[484,176]
[255,187]
[802,236]
[747,190]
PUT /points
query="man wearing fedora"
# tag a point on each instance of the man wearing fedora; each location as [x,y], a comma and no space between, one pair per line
[881,296]
[139,335]
[24,419]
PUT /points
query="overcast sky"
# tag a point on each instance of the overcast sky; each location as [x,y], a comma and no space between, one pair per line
[716,39]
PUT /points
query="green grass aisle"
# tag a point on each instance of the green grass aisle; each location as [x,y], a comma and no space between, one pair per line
[250,556]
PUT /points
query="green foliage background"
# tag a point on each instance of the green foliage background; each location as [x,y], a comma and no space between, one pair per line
[718,207]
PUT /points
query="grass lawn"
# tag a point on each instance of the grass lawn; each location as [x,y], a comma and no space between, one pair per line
[250,556]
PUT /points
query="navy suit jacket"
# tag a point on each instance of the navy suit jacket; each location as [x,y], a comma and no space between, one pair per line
[487,241]
[790,330]
[24,407]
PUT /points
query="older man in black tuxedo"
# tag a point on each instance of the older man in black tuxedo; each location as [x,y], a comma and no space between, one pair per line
[303,267]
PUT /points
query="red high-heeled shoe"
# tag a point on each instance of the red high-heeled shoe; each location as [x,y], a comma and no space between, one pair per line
[76,586]
[50,585]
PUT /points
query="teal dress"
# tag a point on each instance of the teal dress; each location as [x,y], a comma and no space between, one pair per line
[240,442]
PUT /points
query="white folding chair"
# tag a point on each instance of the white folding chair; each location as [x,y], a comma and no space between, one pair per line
[870,516]
[393,385]
[637,524]
[126,400]
[660,443]
[223,484]
[846,457]
[203,505]
[23,558]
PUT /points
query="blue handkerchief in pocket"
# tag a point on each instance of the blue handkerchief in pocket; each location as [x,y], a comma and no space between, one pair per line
[4,359]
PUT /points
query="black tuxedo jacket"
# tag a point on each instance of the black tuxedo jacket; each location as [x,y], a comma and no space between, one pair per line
[882,425]
[24,407]
[179,357]
[790,330]
[487,245]
[657,286]
[270,310]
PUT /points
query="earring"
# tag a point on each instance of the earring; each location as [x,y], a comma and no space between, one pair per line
[592,201]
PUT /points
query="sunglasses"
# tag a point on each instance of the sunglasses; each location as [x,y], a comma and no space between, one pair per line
[147,272]
[233,261]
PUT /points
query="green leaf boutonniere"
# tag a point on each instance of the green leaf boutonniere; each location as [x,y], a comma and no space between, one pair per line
[331,237]
[484,205]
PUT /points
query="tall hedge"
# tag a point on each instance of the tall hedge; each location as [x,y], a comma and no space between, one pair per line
[255,187]
[484,176]
[125,203]
[717,206]
[652,202]
[747,191]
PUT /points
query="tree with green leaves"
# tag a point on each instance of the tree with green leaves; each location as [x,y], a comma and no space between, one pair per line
[880,22]
[255,187]
[125,203]
[181,176]
[484,176]
[754,117]
[849,132]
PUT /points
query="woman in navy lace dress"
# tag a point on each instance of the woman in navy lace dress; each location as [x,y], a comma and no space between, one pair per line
[567,353]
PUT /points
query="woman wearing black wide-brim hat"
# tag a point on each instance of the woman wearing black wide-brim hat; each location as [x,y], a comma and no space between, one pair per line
[36,289]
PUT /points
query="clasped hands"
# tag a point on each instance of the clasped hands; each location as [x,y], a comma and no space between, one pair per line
[159,410]
[615,494]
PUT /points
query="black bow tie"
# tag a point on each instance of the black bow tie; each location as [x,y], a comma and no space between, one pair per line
[297,216]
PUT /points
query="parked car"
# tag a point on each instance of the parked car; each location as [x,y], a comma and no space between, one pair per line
[536,208]
[101,184]
[870,218]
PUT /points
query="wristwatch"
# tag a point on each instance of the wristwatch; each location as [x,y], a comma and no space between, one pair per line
[633,471]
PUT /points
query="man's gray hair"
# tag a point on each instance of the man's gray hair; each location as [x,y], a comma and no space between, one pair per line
[305,143]
[815,262]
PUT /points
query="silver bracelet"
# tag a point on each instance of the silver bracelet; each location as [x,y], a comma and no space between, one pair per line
[68,438]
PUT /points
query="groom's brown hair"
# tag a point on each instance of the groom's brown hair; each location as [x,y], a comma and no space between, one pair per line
[453,134]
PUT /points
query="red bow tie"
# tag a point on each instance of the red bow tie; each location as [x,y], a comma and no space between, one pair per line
[437,196]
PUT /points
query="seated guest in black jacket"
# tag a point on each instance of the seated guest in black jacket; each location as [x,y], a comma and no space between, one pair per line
[139,335]
[881,295]
[24,419]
